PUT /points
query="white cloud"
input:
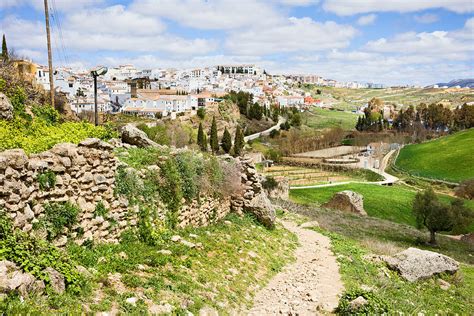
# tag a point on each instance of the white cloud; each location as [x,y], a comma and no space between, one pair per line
[213,15]
[299,3]
[426,18]
[351,7]
[296,35]
[114,20]
[367,19]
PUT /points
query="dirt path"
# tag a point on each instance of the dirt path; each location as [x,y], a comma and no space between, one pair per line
[309,286]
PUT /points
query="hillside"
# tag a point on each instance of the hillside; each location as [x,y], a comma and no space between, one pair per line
[448,158]
[463,83]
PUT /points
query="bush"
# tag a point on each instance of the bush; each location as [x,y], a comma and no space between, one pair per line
[34,255]
[171,191]
[274,133]
[100,209]
[39,136]
[274,155]
[465,189]
[201,113]
[375,305]
[58,216]
[47,113]
[269,183]
[46,180]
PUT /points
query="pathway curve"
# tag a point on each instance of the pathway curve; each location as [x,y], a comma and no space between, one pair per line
[310,286]
[281,120]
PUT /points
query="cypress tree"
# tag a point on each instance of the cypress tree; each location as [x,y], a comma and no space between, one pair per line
[201,140]
[214,140]
[4,49]
[239,141]
[226,141]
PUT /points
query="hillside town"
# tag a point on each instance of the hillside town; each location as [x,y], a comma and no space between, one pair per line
[167,92]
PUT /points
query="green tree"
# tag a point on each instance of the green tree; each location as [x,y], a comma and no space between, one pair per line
[4,49]
[201,138]
[296,119]
[239,142]
[435,216]
[226,141]
[201,113]
[214,140]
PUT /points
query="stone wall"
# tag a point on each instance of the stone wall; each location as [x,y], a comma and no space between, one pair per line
[84,175]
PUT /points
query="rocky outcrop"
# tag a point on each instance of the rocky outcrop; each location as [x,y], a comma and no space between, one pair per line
[6,108]
[347,201]
[56,280]
[134,136]
[414,264]
[12,279]
[254,199]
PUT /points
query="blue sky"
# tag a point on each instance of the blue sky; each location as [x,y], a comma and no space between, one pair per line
[391,41]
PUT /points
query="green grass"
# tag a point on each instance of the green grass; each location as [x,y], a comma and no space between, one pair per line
[393,203]
[321,118]
[449,158]
[223,274]
[423,296]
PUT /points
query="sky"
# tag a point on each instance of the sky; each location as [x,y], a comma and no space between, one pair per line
[393,42]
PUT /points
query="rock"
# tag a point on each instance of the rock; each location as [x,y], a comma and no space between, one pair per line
[165,252]
[282,190]
[443,284]
[310,224]
[161,309]
[13,279]
[123,255]
[357,303]
[188,243]
[252,254]
[208,311]
[347,201]
[56,280]
[175,238]
[96,143]
[131,300]
[262,208]
[65,150]
[6,108]
[82,270]
[16,158]
[133,136]
[468,238]
[414,264]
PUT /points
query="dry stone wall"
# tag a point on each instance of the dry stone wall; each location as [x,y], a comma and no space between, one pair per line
[84,175]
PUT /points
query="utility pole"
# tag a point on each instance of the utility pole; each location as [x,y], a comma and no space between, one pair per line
[50,55]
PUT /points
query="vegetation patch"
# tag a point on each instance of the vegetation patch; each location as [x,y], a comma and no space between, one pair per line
[447,158]
[236,258]
[58,217]
[46,180]
[394,203]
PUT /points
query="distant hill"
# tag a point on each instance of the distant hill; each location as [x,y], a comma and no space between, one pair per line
[463,83]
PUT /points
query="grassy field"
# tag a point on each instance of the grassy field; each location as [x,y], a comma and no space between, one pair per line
[322,118]
[230,262]
[449,158]
[393,203]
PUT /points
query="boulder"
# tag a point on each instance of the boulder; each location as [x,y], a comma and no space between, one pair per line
[6,108]
[133,136]
[262,208]
[56,280]
[16,158]
[95,143]
[414,264]
[347,201]
[13,279]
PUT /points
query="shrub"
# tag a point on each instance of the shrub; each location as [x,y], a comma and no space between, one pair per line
[171,191]
[375,305]
[57,217]
[39,136]
[269,183]
[274,155]
[34,255]
[47,113]
[465,189]
[188,168]
[274,133]
[46,180]
[100,209]
[201,113]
